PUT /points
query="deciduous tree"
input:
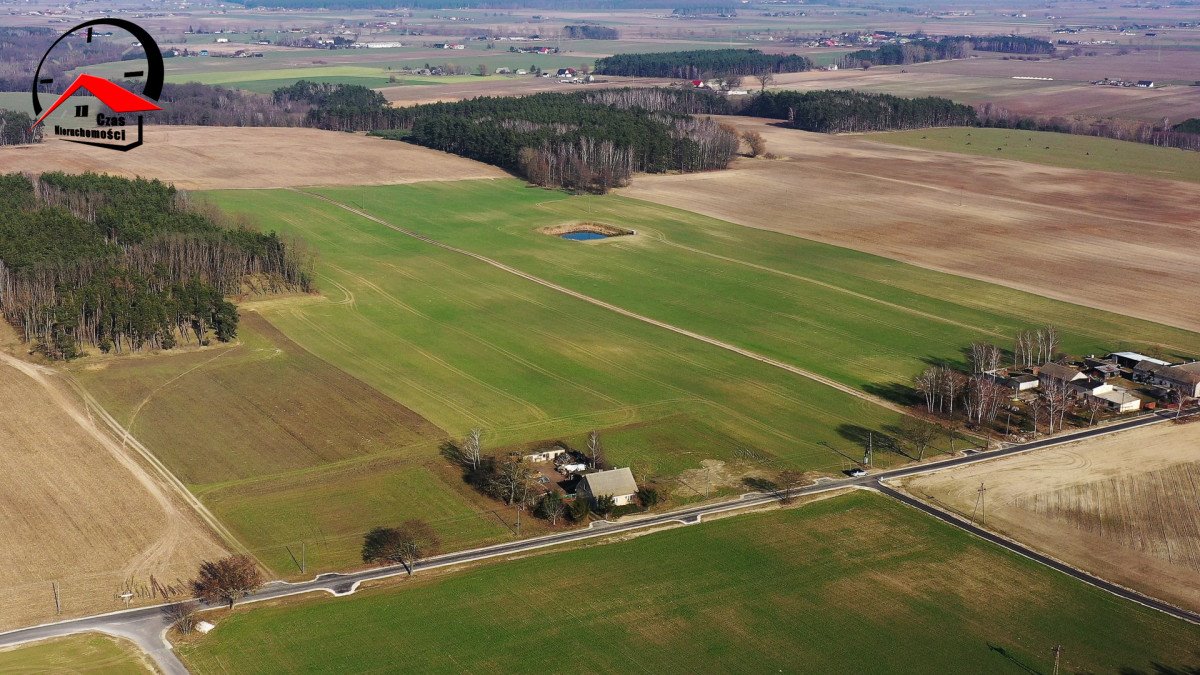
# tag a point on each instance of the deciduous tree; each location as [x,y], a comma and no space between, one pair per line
[227,579]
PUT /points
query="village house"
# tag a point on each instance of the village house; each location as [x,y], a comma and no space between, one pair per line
[616,483]
[1052,373]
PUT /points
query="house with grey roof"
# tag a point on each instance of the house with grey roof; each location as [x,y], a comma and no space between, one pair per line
[616,483]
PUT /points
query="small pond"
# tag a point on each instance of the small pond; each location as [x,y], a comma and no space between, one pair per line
[583,236]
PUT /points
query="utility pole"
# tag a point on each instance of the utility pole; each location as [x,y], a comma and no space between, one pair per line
[980,504]
[870,449]
[57,601]
[303,556]
[518,521]
[1057,654]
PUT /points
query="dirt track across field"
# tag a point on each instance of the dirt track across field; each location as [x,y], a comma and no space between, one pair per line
[200,158]
[82,517]
[1123,507]
[1111,241]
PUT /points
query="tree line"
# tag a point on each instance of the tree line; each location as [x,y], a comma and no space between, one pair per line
[590,32]
[571,140]
[1184,136]
[123,265]
[952,47]
[701,63]
[839,111]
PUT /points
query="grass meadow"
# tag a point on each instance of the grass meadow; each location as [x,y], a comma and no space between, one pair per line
[86,653]
[1062,150]
[854,583]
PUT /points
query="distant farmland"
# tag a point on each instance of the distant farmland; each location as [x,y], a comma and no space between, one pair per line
[845,584]
[1064,150]
[462,344]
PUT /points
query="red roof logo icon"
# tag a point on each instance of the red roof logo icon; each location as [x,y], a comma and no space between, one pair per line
[116,97]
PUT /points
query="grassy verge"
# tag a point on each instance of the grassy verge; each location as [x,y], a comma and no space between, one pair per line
[87,653]
[852,584]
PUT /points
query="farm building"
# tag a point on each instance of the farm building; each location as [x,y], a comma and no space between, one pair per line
[1131,359]
[1118,400]
[616,483]
[1183,378]
[1022,382]
[1056,372]
[545,455]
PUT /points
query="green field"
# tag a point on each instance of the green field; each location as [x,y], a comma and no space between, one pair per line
[1063,150]
[326,422]
[87,653]
[855,583]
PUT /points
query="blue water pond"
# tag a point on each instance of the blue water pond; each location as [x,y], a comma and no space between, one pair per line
[583,236]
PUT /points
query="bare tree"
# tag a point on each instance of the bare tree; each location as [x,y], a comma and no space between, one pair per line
[551,507]
[403,545]
[472,449]
[595,449]
[985,357]
[513,481]
[182,615]
[733,82]
[1024,346]
[227,579]
[765,78]
[790,480]
[1093,406]
[756,142]
[954,384]
[918,434]
[983,399]
[1056,395]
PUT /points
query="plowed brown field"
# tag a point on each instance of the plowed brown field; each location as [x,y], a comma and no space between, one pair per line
[1117,242]
[1123,506]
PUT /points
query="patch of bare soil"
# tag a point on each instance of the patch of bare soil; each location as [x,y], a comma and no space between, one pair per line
[1092,238]
[83,520]
[1124,506]
[200,158]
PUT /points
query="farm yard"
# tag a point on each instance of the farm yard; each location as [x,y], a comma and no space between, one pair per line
[874,578]
[1122,507]
[1097,239]
[532,365]
[56,457]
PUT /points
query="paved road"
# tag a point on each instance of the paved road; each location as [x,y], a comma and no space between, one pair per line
[146,626]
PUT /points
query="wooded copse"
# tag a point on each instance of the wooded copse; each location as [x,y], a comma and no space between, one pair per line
[15,128]
[840,111]
[588,141]
[701,63]
[590,32]
[952,47]
[124,264]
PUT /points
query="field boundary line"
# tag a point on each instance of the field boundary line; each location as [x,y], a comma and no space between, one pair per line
[846,389]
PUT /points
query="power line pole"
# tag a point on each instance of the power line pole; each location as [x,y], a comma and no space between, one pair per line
[303,556]
[1057,654]
[980,504]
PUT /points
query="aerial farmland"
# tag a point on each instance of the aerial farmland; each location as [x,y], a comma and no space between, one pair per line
[427,338]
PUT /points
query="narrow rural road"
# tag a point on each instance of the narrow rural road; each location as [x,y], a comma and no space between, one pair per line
[147,626]
[619,310]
